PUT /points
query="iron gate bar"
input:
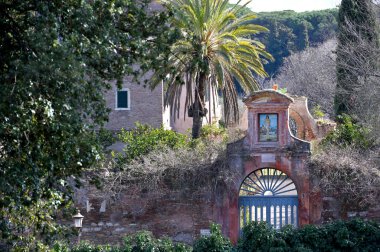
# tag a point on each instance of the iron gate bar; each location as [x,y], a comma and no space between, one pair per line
[285,187]
[256,189]
[259,180]
[274,189]
[286,214]
[278,177]
[292,214]
[274,174]
[255,184]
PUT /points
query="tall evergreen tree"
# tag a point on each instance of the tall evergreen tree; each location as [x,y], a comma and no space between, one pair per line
[356,25]
[304,41]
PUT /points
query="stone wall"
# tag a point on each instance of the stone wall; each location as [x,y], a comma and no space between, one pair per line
[178,215]
[331,210]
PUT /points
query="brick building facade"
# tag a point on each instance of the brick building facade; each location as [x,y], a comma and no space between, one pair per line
[136,103]
[142,105]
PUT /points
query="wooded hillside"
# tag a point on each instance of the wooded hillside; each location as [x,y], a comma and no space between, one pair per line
[293,32]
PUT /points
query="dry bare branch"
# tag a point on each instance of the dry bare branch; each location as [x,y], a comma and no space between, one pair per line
[347,174]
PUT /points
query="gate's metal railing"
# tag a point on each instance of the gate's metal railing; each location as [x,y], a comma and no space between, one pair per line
[277,211]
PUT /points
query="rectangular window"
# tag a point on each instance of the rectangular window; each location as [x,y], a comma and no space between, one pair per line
[268,127]
[122,99]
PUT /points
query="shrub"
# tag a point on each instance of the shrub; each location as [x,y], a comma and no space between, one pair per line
[214,132]
[106,137]
[186,170]
[348,132]
[258,236]
[353,235]
[216,242]
[85,247]
[144,138]
[349,175]
[144,242]
[318,112]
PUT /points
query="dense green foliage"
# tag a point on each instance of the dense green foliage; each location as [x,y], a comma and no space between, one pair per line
[212,51]
[142,241]
[349,133]
[291,32]
[358,39]
[144,138]
[213,243]
[354,235]
[56,60]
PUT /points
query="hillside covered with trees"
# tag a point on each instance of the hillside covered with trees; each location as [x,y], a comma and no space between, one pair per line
[290,32]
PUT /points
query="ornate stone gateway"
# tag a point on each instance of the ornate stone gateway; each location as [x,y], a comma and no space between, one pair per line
[268,195]
[272,182]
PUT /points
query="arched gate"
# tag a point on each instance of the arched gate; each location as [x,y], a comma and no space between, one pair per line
[268,195]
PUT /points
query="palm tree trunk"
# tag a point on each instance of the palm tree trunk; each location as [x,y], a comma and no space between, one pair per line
[199,105]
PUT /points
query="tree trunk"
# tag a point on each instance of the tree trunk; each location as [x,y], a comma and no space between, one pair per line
[199,105]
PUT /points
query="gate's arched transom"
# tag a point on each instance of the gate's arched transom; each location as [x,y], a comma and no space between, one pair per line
[268,195]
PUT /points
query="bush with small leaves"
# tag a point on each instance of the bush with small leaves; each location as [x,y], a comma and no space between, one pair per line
[144,242]
[216,242]
[349,133]
[144,139]
[353,235]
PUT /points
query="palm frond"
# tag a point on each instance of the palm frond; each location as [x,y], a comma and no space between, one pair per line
[216,41]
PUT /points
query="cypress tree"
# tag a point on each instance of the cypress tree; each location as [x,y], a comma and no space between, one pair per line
[356,23]
[303,40]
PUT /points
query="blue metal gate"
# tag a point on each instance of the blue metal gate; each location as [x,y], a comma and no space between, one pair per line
[268,195]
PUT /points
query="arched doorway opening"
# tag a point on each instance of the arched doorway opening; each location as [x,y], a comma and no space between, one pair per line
[268,195]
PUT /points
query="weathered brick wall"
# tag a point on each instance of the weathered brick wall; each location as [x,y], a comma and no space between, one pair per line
[173,214]
[332,211]
[146,106]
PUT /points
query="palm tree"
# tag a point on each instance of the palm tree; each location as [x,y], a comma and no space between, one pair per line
[214,48]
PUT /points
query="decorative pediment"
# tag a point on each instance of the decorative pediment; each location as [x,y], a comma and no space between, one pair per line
[267,96]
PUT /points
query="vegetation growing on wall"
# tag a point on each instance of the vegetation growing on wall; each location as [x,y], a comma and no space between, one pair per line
[349,175]
[189,169]
[346,166]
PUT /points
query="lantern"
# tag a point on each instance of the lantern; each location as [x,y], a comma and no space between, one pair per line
[78,218]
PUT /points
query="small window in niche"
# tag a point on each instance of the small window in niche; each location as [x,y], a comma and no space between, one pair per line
[268,127]
[293,126]
[122,99]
